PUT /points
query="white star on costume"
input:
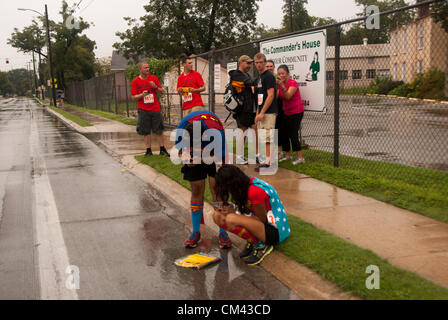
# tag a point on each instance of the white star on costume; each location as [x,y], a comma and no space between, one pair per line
[277,219]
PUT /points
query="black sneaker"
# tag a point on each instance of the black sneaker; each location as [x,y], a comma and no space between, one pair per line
[258,255]
[148,153]
[163,152]
[247,250]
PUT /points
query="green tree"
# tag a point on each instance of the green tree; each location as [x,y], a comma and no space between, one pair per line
[440,13]
[73,55]
[300,18]
[173,27]
[20,80]
[6,86]
[331,32]
[358,31]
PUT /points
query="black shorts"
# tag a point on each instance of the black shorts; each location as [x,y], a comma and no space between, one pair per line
[246,119]
[271,232]
[149,122]
[199,171]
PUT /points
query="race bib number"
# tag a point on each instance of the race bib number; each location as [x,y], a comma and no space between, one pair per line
[271,219]
[188,97]
[260,99]
[149,98]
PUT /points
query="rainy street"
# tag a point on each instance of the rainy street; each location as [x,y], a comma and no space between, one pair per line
[69,211]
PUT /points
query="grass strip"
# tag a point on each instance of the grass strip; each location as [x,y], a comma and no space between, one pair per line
[67,115]
[333,258]
[107,115]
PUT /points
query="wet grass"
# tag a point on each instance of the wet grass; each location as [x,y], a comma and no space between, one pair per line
[420,190]
[333,258]
[67,115]
[106,115]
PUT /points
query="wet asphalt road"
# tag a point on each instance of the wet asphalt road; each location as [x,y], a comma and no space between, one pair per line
[65,202]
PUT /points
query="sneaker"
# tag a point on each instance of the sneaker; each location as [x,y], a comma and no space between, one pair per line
[298,160]
[163,152]
[259,254]
[264,165]
[285,158]
[240,160]
[224,241]
[148,153]
[192,242]
[259,159]
[247,250]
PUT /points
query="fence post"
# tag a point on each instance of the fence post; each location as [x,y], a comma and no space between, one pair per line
[211,79]
[115,93]
[127,94]
[337,56]
[180,98]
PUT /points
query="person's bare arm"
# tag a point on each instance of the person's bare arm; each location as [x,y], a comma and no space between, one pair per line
[139,96]
[200,89]
[288,94]
[260,212]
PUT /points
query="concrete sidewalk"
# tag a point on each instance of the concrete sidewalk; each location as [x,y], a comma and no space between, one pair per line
[407,240]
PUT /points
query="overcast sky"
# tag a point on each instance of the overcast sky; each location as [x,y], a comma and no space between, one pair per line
[107,16]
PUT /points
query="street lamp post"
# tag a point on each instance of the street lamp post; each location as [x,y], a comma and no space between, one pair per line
[50,53]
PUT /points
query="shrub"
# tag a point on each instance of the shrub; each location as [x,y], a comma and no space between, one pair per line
[383,85]
[402,90]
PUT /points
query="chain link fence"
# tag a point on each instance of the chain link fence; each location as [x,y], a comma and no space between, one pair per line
[385,105]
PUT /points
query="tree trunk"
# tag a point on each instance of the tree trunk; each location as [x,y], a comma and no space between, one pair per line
[212,25]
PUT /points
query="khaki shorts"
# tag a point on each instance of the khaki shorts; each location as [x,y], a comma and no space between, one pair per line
[267,123]
[195,108]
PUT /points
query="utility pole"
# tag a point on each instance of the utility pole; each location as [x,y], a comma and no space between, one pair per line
[35,77]
[50,55]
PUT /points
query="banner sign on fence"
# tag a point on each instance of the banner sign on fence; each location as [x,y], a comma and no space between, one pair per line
[230,67]
[217,77]
[305,56]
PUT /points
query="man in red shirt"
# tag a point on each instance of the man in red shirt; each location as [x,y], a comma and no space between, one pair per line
[144,89]
[190,85]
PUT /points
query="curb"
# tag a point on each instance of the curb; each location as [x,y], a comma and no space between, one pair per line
[299,278]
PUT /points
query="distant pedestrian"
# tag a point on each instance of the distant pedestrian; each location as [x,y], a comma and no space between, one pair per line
[144,89]
[190,85]
[289,92]
[270,65]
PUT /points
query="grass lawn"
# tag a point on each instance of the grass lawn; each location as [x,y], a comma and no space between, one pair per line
[105,114]
[423,191]
[332,257]
[71,117]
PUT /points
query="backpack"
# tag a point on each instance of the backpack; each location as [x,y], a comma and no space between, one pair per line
[232,100]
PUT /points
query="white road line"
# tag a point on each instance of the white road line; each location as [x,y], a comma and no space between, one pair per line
[51,250]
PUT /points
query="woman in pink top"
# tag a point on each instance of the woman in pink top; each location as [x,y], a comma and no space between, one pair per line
[289,92]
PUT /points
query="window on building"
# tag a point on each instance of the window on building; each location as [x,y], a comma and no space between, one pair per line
[403,44]
[396,43]
[420,36]
[343,75]
[419,66]
[371,73]
[383,73]
[330,75]
[403,71]
[357,74]
[395,71]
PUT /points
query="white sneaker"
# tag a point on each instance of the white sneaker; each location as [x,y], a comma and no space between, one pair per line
[240,160]
[260,159]
[284,158]
[298,160]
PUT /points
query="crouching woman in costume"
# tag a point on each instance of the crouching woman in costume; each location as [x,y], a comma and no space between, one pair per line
[257,215]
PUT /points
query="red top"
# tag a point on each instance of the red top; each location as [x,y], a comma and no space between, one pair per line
[295,104]
[256,195]
[150,102]
[192,80]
